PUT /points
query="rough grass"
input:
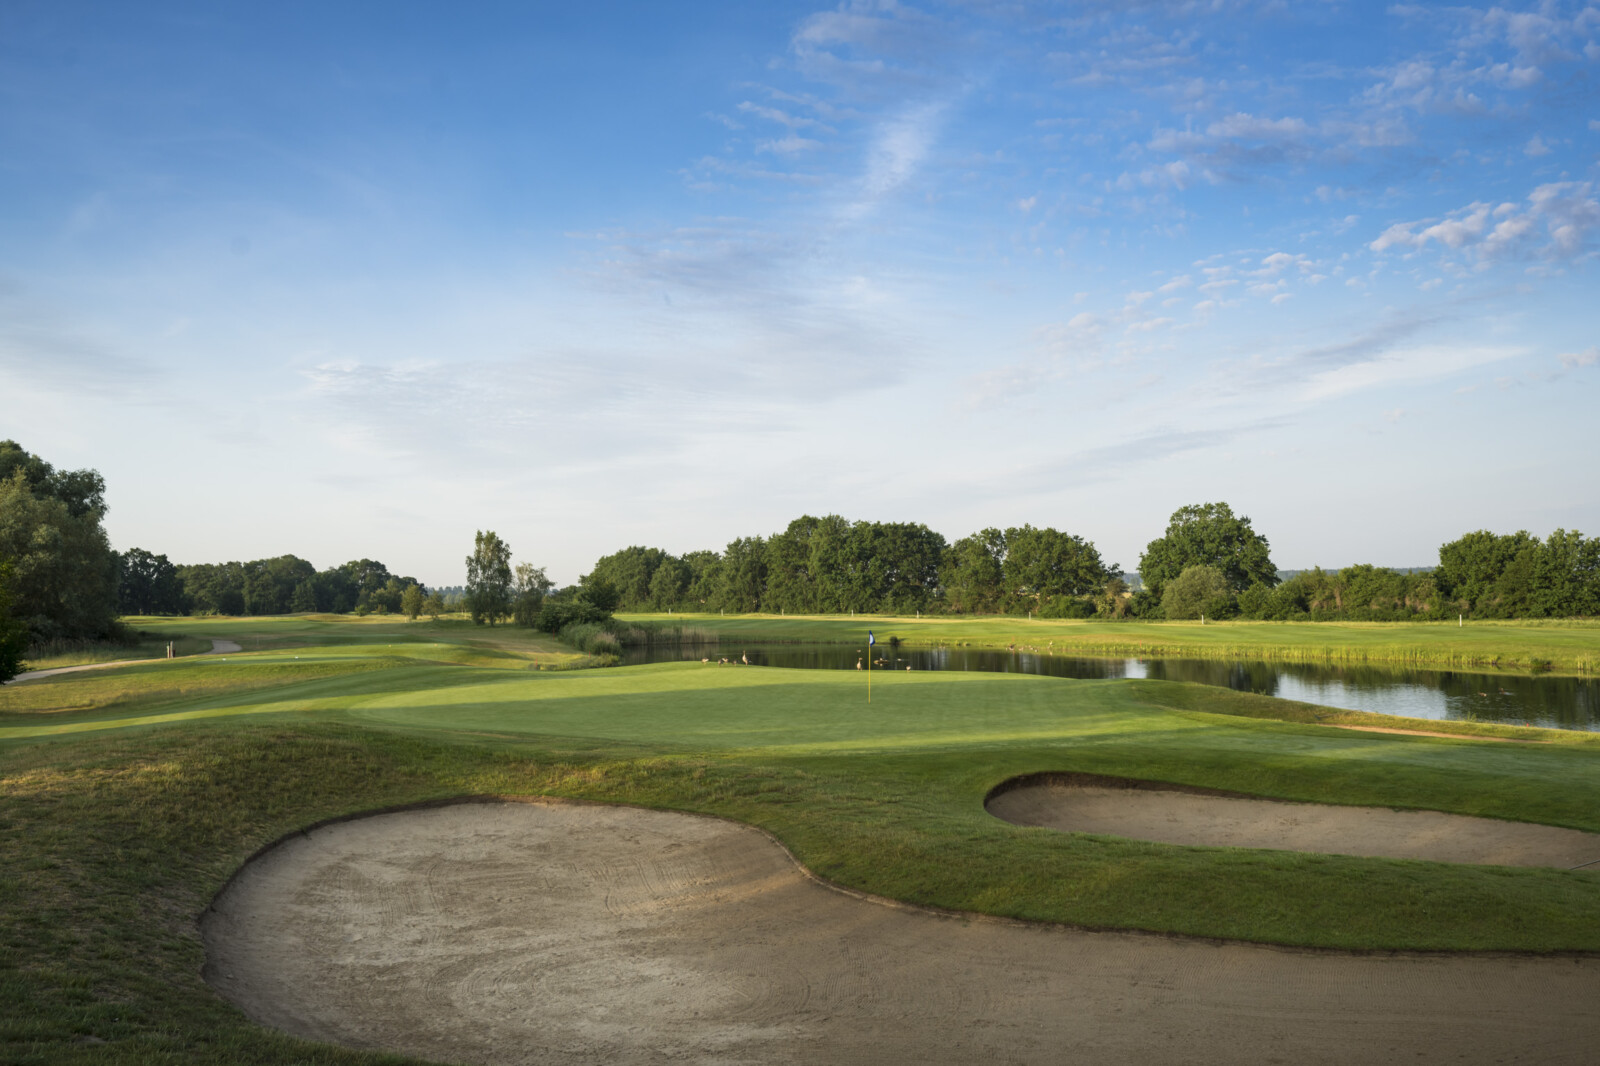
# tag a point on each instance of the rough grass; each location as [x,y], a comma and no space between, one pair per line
[1562,646]
[141,645]
[127,808]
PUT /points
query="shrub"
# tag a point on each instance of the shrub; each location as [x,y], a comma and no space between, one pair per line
[1198,591]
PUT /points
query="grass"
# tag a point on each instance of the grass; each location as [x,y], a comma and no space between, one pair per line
[142,644]
[132,793]
[1568,646]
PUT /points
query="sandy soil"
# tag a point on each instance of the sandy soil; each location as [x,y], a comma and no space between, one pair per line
[564,933]
[1433,733]
[1083,804]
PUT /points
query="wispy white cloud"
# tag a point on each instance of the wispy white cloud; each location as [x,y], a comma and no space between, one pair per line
[1558,221]
[1402,366]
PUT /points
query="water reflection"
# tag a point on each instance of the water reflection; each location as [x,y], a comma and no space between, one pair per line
[1552,702]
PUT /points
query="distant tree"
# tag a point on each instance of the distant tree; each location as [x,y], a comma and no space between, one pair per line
[528,591]
[1208,534]
[304,600]
[1567,576]
[630,571]
[705,576]
[791,584]
[1198,591]
[13,633]
[364,579]
[213,588]
[433,606]
[669,585]
[1490,575]
[1113,599]
[148,584]
[1044,564]
[390,599]
[1023,568]
[891,567]
[971,572]
[411,601]
[489,578]
[335,591]
[599,593]
[574,604]
[269,584]
[742,578]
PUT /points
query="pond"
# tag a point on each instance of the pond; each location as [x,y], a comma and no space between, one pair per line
[1512,699]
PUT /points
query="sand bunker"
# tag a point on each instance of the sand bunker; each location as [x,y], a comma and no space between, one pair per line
[562,933]
[1172,814]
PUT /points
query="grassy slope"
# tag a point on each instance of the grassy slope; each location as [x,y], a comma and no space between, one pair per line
[149,645]
[113,838]
[1567,646]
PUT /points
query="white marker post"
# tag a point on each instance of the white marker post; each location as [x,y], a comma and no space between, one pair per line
[871,640]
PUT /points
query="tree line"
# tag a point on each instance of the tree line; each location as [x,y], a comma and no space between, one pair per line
[60,579]
[831,565]
[286,584]
[1208,563]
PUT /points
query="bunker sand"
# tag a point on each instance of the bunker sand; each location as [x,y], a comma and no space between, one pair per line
[1085,803]
[562,933]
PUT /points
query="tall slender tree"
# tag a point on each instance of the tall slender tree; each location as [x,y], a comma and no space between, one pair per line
[489,578]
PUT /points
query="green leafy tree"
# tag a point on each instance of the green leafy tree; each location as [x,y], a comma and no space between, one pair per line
[599,593]
[576,603]
[971,572]
[891,567]
[13,634]
[1113,600]
[304,600]
[630,571]
[82,492]
[791,580]
[742,577]
[148,584]
[670,584]
[1198,591]
[1488,574]
[1208,534]
[433,605]
[364,579]
[269,584]
[411,601]
[705,576]
[335,591]
[1567,576]
[1045,564]
[213,588]
[64,573]
[489,578]
[529,589]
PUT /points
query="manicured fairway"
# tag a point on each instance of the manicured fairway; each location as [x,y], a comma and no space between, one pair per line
[132,793]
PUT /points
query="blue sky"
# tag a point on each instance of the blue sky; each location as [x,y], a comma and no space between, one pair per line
[357,280]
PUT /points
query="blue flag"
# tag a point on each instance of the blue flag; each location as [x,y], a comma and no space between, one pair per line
[870,640]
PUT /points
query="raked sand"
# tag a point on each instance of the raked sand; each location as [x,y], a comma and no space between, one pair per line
[1084,803]
[550,932]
